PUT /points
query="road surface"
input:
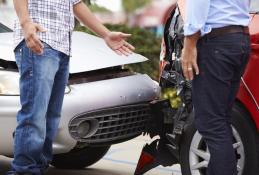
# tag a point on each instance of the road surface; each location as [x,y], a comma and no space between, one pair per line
[120,160]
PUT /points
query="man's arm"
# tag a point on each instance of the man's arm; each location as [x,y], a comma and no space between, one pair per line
[196,15]
[189,56]
[30,29]
[21,8]
[194,27]
[115,40]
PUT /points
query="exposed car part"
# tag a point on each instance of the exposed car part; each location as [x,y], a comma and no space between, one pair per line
[99,75]
[172,122]
[159,152]
[79,158]
[153,155]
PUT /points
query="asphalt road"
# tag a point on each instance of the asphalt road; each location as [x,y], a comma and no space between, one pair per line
[120,160]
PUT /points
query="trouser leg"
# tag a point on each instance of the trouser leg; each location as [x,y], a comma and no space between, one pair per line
[36,82]
[54,108]
[221,61]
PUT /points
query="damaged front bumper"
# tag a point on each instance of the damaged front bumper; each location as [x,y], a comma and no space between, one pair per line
[167,123]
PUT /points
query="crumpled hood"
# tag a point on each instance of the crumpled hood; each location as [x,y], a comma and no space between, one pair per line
[88,53]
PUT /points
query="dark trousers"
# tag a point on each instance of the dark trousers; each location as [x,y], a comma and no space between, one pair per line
[222,61]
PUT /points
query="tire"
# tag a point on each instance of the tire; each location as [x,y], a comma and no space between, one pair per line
[79,158]
[246,140]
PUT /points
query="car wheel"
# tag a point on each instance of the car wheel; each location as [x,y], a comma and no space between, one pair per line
[194,154]
[79,158]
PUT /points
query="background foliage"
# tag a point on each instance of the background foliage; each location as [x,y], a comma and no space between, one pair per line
[96,8]
[130,6]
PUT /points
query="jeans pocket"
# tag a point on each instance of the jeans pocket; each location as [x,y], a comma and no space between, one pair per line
[229,50]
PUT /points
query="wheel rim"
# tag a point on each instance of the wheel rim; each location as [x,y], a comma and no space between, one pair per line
[199,155]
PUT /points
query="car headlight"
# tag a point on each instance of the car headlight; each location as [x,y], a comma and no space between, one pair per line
[9,83]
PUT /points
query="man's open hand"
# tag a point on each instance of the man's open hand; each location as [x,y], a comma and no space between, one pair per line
[32,40]
[117,42]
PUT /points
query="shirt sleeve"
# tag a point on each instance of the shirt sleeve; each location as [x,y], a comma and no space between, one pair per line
[74,2]
[197,12]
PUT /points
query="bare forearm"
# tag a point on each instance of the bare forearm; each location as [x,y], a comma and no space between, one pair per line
[191,41]
[21,8]
[189,56]
[115,40]
[85,16]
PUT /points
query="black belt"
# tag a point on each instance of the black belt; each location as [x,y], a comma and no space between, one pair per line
[227,30]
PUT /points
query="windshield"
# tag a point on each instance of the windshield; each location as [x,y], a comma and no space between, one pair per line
[254,6]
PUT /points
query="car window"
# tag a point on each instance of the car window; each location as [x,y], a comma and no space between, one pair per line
[254,6]
[4,29]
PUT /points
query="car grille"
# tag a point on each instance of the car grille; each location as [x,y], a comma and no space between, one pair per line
[114,124]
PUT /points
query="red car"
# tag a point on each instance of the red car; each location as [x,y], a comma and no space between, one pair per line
[189,149]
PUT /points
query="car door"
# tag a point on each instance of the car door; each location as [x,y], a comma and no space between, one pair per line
[249,90]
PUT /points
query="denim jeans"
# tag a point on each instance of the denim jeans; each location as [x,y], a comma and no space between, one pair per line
[222,61]
[43,79]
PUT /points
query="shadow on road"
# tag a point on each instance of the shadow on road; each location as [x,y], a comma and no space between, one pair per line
[5,165]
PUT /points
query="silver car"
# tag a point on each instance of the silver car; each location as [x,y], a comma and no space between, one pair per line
[104,103]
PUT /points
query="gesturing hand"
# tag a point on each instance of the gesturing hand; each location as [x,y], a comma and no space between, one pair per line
[189,62]
[117,42]
[32,40]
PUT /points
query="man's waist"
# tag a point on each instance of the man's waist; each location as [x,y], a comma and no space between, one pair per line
[227,30]
[62,46]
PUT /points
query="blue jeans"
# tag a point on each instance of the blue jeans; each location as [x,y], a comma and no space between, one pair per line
[222,61]
[43,79]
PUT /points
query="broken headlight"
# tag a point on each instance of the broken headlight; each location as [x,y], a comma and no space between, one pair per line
[9,83]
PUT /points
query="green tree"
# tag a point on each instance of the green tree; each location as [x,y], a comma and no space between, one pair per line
[87,1]
[96,8]
[130,6]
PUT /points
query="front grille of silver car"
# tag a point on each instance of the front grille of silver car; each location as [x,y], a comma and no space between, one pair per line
[114,124]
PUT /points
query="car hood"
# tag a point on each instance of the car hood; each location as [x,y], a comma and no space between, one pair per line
[88,53]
